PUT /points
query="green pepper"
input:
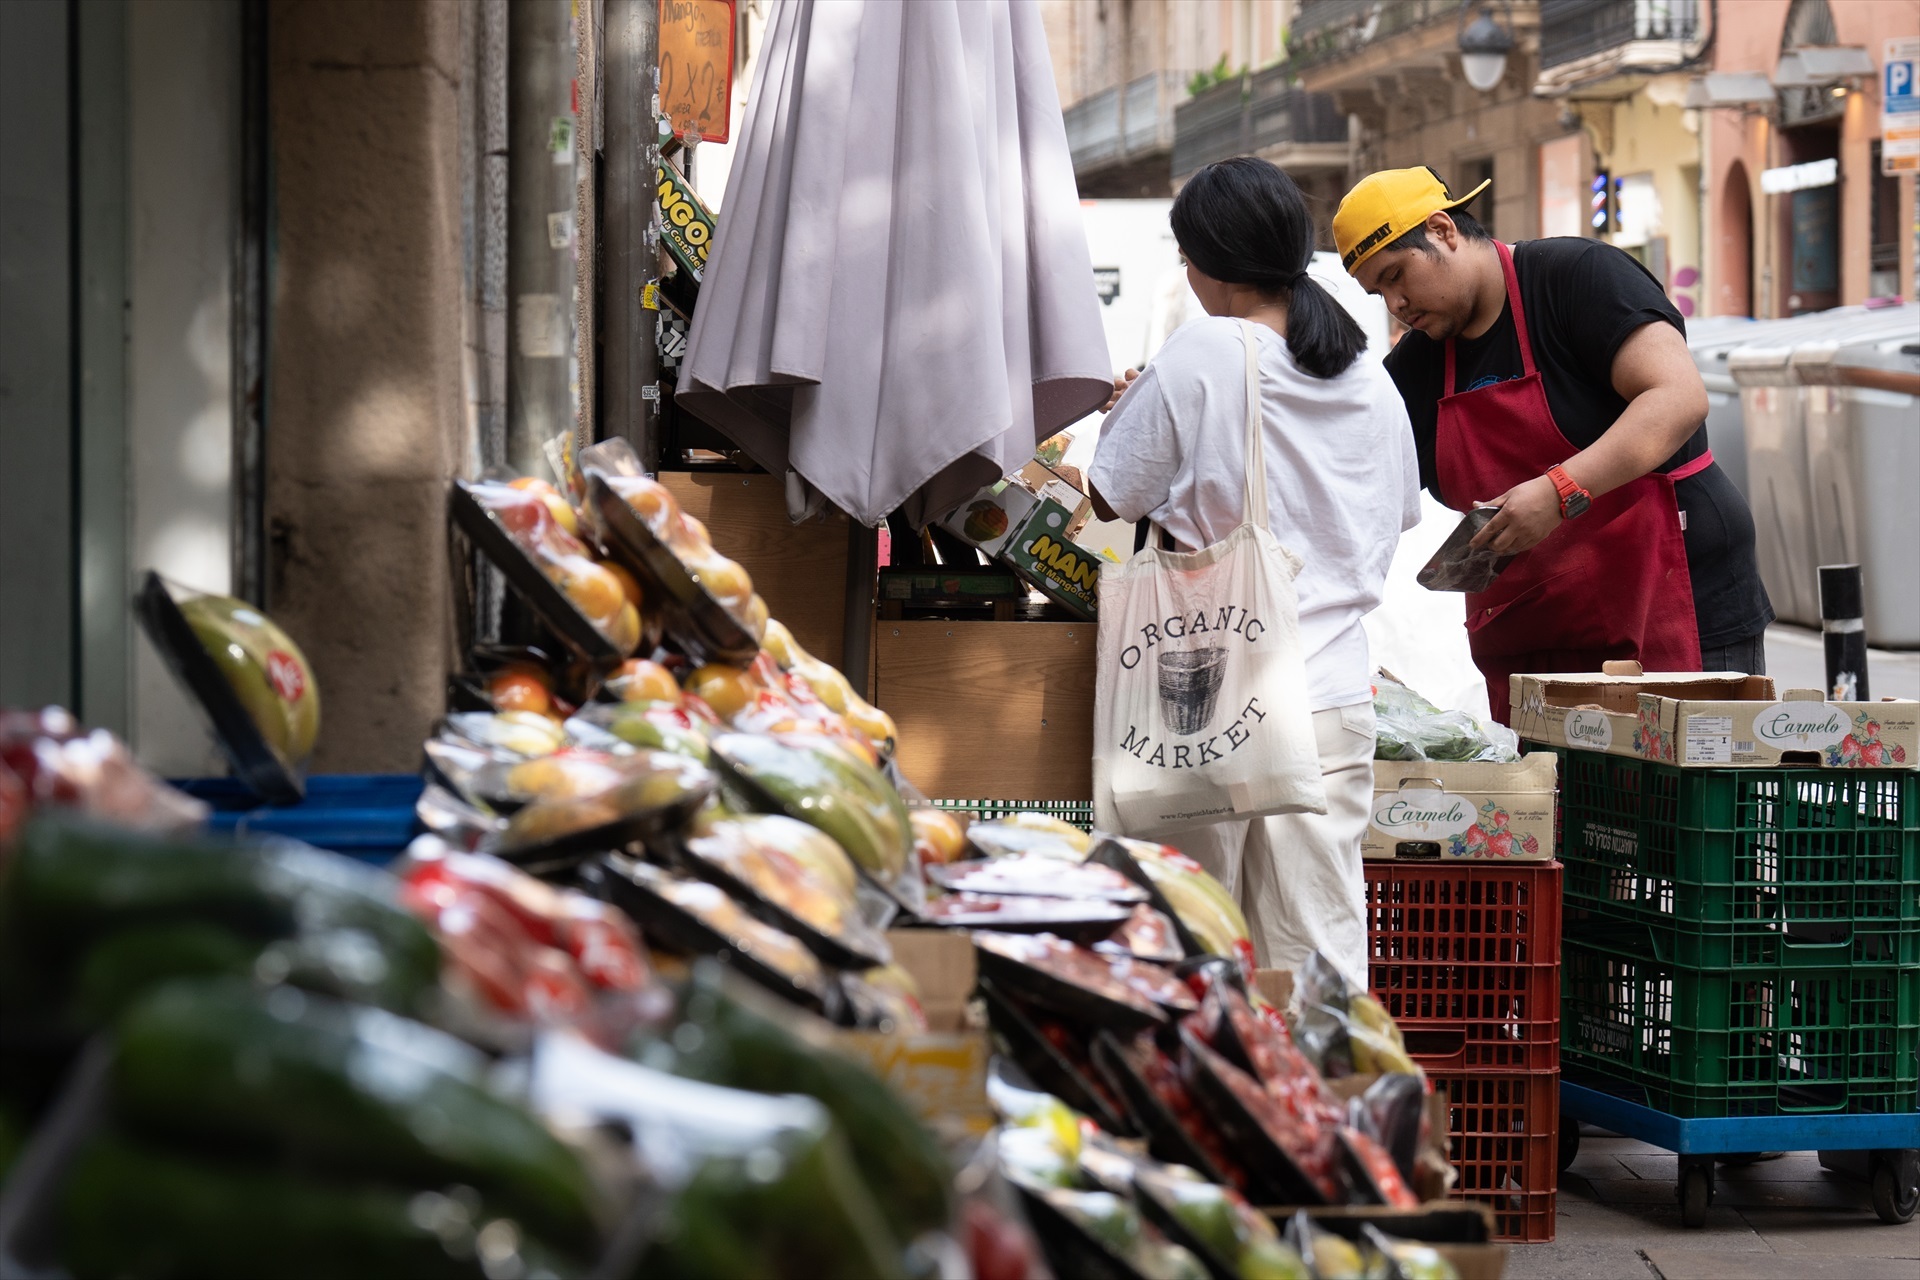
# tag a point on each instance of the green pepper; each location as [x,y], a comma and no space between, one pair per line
[132,1210]
[743,1048]
[357,1089]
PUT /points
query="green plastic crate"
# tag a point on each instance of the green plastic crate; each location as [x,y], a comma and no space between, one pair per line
[1712,1042]
[1733,863]
[1078,812]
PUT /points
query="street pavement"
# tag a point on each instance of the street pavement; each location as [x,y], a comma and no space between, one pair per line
[1796,659]
[1785,1219]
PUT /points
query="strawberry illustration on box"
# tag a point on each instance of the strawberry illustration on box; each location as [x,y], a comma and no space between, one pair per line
[1862,749]
[1490,837]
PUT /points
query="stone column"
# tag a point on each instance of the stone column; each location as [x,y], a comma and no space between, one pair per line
[368,408]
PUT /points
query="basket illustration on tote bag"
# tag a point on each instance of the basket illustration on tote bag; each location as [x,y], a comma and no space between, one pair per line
[1200,712]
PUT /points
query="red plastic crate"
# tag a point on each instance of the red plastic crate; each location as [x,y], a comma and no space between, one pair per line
[1503,1132]
[1465,957]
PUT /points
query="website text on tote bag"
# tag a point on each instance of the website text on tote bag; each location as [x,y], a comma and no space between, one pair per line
[1200,709]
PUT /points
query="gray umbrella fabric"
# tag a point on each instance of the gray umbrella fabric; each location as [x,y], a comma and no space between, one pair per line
[899,305]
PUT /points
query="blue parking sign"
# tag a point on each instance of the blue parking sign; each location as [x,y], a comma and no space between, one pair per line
[1900,107]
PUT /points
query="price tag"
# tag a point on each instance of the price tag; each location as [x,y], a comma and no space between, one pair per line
[696,66]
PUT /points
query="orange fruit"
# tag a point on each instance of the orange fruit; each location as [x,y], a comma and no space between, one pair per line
[592,589]
[938,833]
[629,585]
[623,630]
[726,689]
[637,680]
[725,581]
[519,690]
[651,501]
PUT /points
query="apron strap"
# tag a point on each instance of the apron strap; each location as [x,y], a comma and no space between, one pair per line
[1256,493]
[1519,321]
[1687,470]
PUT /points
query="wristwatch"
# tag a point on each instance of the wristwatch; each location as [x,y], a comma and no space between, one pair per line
[1573,499]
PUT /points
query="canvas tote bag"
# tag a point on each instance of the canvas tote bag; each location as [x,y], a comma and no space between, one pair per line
[1200,710]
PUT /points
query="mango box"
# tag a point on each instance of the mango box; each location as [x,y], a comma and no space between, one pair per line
[992,517]
[941,1072]
[1044,553]
[1600,710]
[686,225]
[1475,810]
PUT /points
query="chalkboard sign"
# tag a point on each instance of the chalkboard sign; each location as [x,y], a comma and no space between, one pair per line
[696,66]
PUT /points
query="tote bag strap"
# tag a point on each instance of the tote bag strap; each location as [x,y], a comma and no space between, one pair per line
[1256,507]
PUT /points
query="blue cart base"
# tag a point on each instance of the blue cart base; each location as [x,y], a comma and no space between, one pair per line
[1884,1150]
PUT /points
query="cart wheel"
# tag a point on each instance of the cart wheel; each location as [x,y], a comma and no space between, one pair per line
[1696,1193]
[1569,1143]
[1896,1188]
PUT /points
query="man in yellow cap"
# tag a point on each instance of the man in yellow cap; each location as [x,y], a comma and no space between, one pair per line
[1552,380]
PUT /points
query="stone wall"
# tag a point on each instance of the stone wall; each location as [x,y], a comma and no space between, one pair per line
[367,414]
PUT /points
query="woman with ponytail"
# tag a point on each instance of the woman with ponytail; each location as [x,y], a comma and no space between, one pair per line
[1342,485]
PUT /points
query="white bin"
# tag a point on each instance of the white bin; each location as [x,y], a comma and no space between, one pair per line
[1773,413]
[1863,460]
[1710,338]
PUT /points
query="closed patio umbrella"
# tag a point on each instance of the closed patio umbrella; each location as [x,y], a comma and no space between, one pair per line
[899,304]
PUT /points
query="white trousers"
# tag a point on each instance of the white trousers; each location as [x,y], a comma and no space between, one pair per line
[1298,876]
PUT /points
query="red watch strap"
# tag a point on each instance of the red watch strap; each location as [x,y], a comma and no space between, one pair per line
[1563,483]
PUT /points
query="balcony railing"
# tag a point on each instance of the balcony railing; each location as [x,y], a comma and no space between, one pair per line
[1249,115]
[1324,30]
[1574,29]
[1123,123]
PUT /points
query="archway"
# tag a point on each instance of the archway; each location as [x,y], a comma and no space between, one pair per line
[1733,292]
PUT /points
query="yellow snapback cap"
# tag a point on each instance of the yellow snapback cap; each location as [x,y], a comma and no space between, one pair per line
[1384,206]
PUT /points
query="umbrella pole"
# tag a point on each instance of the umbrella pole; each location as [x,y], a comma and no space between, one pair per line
[629,285]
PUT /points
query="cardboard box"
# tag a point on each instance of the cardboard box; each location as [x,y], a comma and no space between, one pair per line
[992,517]
[1801,728]
[944,585]
[1045,554]
[1715,721]
[686,225]
[942,1072]
[1499,812]
[1600,710]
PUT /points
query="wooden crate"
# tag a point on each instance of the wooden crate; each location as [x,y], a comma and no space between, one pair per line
[991,708]
[801,570]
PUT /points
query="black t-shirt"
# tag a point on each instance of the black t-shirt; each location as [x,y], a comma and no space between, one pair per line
[1583,299]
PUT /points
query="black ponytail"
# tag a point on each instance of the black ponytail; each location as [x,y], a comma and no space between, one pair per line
[1243,221]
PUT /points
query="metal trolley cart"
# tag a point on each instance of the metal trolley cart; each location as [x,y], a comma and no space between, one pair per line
[1740,968]
[1879,1148]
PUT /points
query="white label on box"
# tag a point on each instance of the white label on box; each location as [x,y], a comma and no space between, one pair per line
[1801,726]
[1424,814]
[1709,740]
[1589,730]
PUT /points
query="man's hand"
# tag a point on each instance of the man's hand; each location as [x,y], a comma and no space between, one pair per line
[1528,513]
[1120,386]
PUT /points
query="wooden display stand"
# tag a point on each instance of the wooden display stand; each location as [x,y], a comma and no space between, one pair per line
[985,709]
[991,709]
[800,569]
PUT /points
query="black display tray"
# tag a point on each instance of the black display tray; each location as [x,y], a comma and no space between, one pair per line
[673,927]
[1109,852]
[1273,1177]
[693,619]
[255,764]
[1050,1069]
[528,581]
[1167,1139]
[1064,996]
[832,950]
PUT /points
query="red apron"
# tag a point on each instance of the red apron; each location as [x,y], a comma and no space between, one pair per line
[1609,584]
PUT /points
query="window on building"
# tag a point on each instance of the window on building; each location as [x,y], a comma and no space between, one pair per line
[1471,174]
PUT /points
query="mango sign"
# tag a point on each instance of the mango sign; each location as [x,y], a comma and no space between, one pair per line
[696,66]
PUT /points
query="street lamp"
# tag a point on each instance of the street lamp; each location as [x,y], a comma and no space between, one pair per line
[1484,46]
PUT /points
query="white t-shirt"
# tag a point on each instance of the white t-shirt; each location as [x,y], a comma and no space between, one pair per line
[1343,481]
